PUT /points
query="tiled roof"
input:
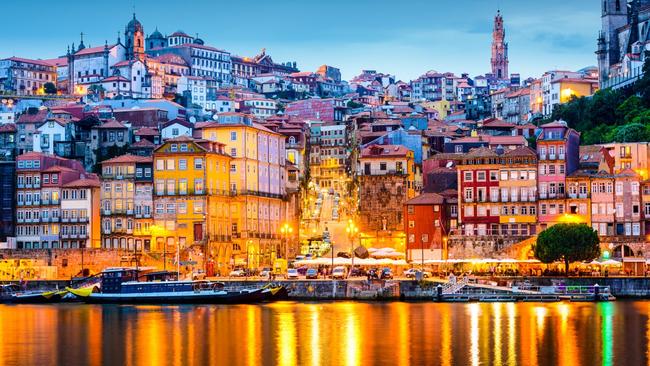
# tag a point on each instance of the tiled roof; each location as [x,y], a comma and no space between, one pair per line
[128,158]
[33,118]
[8,127]
[83,183]
[426,199]
[112,124]
[30,61]
[143,143]
[481,152]
[91,50]
[384,150]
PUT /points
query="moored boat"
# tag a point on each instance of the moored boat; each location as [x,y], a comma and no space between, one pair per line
[122,286]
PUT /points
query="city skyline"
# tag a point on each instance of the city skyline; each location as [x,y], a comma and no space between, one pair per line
[393,41]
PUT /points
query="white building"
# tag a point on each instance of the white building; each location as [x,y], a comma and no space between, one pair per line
[136,72]
[47,133]
[261,107]
[175,128]
[197,88]
[80,214]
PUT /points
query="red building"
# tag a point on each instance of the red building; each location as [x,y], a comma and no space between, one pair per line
[319,109]
[426,227]
[478,180]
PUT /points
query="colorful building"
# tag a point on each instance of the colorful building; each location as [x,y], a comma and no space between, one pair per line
[257,183]
[426,227]
[127,204]
[191,199]
[558,154]
[386,176]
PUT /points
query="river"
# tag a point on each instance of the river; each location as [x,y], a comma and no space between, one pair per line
[331,333]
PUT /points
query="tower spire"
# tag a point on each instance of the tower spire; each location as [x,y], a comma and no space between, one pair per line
[499,60]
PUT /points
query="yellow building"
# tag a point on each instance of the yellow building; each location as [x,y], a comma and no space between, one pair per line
[191,199]
[442,106]
[518,192]
[257,183]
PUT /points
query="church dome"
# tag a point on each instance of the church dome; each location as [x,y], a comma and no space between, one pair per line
[156,35]
[134,25]
[199,41]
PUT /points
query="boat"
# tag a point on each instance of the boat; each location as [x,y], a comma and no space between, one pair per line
[8,291]
[123,286]
[38,297]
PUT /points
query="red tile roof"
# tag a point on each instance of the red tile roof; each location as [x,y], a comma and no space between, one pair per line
[383,151]
[147,131]
[112,124]
[91,50]
[83,183]
[128,158]
[426,199]
[38,117]
[30,61]
[8,127]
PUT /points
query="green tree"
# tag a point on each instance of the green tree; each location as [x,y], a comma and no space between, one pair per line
[49,88]
[567,243]
[631,132]
[629,109]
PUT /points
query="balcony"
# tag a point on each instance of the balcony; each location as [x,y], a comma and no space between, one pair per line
[542,156]
[45,219]
[129,212]
[106,212]
[561,156]
[551,157]
[74,219]
[83,219]
[45,202]
[55,219]
[20,203]
[65,219]
[20,185]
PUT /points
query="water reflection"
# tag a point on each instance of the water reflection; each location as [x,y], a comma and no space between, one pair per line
[328,334]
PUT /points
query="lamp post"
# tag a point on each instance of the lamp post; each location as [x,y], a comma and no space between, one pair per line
[285,230]
[351,229]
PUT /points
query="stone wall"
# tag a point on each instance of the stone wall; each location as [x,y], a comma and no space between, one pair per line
[381,201]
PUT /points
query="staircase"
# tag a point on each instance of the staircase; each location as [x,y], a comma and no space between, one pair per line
[452,288]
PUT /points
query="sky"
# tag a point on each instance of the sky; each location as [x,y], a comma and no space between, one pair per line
[405,38]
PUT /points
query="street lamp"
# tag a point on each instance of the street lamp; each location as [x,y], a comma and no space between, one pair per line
[352,230]
[285,230]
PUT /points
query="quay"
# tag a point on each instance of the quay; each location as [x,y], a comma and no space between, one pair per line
[536,290]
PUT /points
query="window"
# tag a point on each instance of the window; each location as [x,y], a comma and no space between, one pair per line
[160,164]
[198,163]
[469,194]
[182,164]
[493,176]
[480,176]
[182,186]
[171,186]
[170,164]
[468,176]
[233,136]
[619,188]
[233,168]
[198,185]
[233,152]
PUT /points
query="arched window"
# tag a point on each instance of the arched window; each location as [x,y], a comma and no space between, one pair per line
[292,140]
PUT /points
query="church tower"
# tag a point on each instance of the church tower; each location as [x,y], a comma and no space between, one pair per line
[134,40]
[499,49]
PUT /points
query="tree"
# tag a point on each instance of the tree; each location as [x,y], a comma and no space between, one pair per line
[568,243]
[631,132]
[49,88]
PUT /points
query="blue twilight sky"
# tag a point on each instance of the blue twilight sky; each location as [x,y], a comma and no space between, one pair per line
[405,38]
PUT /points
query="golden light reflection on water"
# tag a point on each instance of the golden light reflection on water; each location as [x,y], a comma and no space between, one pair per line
[346,333]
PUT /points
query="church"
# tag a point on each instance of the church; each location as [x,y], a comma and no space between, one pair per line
[121,68]
[623,40]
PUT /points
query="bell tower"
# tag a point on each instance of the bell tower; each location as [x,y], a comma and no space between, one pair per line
[134,40]
[499,59]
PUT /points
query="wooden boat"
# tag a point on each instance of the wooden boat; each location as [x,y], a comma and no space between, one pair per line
[38,297]
[8,291]
[121,286]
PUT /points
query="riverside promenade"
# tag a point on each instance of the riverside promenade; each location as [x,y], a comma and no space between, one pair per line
[408,289]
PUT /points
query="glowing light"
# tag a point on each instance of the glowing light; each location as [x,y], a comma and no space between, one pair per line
[474,313]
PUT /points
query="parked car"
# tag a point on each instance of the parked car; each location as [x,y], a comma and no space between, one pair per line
[338,273]
[237,273]
[412,273]
[386,274]
[266,272]
[358,272]
[302,270]
[312,274]
[292,274]
[198,275]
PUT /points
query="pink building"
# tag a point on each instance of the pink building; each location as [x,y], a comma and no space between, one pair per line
[558,154]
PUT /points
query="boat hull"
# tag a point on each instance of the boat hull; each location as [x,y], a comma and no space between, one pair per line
[165,298]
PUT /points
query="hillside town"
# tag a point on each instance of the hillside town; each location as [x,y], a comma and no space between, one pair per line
[156,148]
